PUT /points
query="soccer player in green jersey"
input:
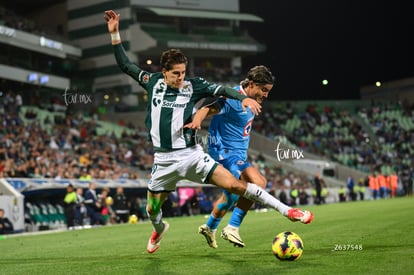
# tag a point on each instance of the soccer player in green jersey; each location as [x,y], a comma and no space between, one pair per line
[172,97]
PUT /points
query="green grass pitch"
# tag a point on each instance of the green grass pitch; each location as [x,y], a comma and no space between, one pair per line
[370,237]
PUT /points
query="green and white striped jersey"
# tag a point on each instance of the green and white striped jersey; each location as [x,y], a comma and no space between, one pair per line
[170,109]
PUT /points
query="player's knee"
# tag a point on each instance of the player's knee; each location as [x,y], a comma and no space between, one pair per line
[238,187]
[261,182]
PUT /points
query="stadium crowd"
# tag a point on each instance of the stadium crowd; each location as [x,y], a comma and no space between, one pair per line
[71,149]
[377,139]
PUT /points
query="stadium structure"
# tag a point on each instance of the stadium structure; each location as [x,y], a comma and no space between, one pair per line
[209,33]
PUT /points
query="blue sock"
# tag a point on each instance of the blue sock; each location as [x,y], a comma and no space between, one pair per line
[213,222]
[237,217]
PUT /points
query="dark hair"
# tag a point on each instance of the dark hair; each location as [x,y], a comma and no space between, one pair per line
[261,75]
[172,57]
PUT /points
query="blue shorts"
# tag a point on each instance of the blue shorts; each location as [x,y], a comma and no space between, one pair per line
[236,166]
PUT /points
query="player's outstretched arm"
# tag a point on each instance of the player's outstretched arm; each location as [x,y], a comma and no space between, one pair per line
[112,19]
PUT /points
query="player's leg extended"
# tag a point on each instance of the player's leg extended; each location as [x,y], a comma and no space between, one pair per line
[223,178]
[155,201]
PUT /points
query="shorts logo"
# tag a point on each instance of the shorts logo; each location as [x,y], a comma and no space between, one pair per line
[240,162]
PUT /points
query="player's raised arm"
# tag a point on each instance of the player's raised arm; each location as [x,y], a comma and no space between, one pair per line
[112,19]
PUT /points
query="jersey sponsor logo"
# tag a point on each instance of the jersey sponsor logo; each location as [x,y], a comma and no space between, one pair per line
[247,128]
[170,104]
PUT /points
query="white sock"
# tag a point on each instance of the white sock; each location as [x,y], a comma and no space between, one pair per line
[257,194]
[157,223]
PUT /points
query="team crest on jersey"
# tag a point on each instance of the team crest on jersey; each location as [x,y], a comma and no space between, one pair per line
[145,78]
[156,101]
[247,128]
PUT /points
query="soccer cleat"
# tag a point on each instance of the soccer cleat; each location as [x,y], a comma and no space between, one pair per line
[155,239]
[209,234]
[231,234]
[304,216]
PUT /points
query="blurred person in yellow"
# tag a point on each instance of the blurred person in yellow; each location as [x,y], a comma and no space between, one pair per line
[70,202]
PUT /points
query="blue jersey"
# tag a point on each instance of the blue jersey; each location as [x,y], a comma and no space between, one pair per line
[229,131]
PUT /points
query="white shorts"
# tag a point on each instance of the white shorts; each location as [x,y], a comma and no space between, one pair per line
[191,163]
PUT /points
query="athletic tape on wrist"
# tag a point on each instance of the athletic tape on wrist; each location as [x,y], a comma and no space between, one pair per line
[115,36]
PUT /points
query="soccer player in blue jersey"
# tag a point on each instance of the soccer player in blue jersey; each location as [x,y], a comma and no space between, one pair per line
[228,141]
[171,99]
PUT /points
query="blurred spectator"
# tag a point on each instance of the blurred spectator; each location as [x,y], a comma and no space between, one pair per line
[342,194]
[93,205]
[303,197]
[283,196]
[84,175]
[80,208]
[138,208]
[373,186]
[293,196]
[361,190]
[318,188]
[19,102]
[70,202]
[6,227]
[120,206]
[393,178]
[324,194]
[106,203]
[171,207]
[351,185]
[205,202]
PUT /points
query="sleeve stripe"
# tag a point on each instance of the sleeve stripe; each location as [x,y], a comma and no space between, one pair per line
[216,90]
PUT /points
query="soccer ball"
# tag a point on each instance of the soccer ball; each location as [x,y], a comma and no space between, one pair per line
[133,219]
[109,201]
[287,246]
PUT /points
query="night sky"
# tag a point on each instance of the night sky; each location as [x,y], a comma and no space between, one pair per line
[349,43]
